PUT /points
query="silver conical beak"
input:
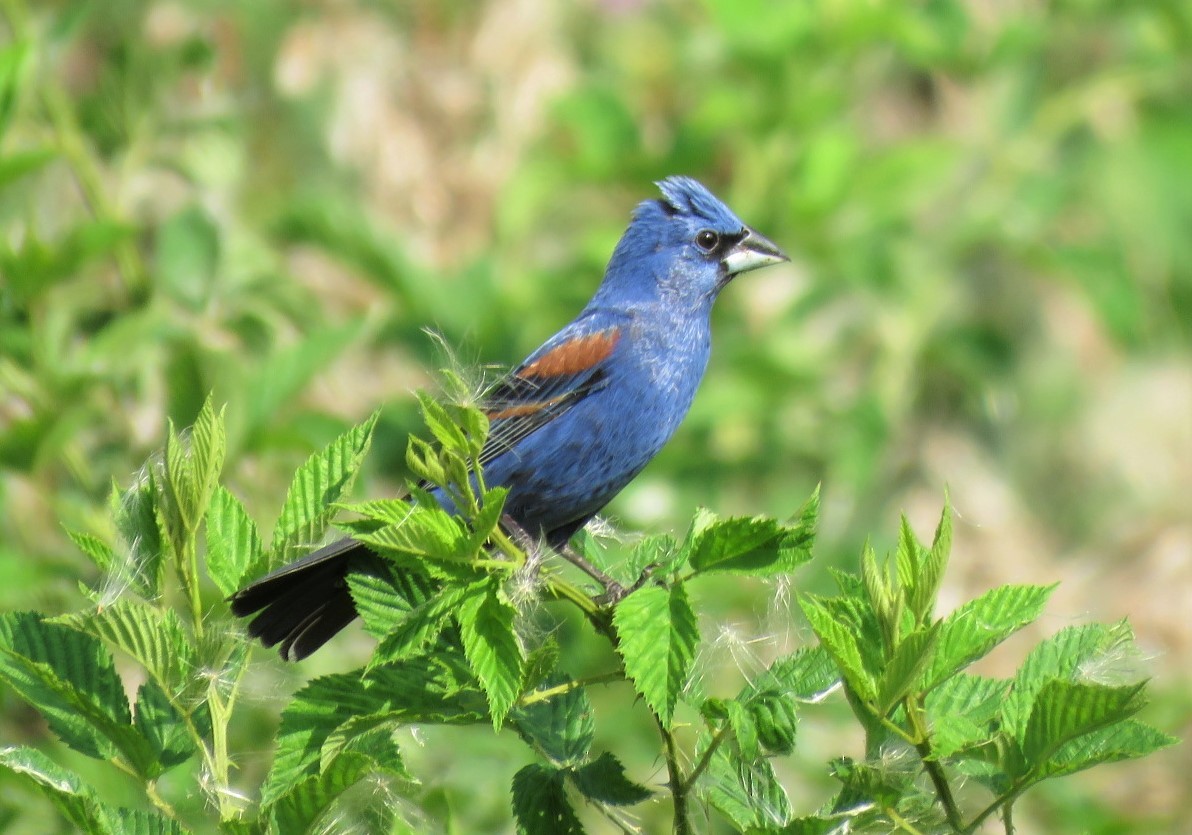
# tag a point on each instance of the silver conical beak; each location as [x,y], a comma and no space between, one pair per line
[752,252]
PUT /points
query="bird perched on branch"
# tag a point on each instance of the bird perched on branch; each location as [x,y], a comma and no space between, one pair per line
[575,422]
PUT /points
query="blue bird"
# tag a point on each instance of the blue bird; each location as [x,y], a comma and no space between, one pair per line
[582,415]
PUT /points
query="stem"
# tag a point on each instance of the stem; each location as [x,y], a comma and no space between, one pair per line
[564,590]
[931,765]
[611,586]
[1005,800]
[1008,817]
[677,786]
[568,686]
[902,823]
[706,759]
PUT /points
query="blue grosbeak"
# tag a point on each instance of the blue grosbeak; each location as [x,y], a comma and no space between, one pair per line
[575,422]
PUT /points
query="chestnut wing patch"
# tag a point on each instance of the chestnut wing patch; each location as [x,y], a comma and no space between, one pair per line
[545,388]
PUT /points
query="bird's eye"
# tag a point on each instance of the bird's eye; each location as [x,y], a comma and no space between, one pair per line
[707,240]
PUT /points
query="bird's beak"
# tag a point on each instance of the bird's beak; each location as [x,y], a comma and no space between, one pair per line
[751,252]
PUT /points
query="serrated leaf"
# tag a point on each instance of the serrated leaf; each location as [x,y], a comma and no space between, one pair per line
[962,710]
[164,727]
[491,645]
[385,595]
[1126,740]
[73,800]
[746,792]
[776,721]
[316,487]
[807,675]
[421,627]
[560,728]
[69,676]
[603,780]
[234,547]
[754,545]
[99,551]
[1065,710]
[921,595]
[152,636]
[909,554]
[440,424]
[540,804]
[912,654]
[657,634]
[372,757]
[1061,656]
[431,689]
[135,514]
[427,534]
[978,626]
[840,642]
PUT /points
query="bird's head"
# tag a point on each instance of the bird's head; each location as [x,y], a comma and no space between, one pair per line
[683,248]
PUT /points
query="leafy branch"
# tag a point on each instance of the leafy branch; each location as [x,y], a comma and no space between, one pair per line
[448,602]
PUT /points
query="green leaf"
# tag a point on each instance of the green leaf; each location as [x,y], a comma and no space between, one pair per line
[490,642]
[560,728]
[17,164]
[152,636]
[192,468]
[962,710]
[16,58]
[603,780]
[446,431]
[73,800]
[69,676]
[1125,740]
[840,640]
[657,634]
[425,534]
[99,551]
[385,595]
[187,256]
[164,727]
[540,803]
[808,674]
[1062,656]
[1065,710]
[912,654]
[416,632]
[756,545]
[234,548]
[747,792]
[317,486]
[282,375]
[372,757]
[431,689]
[922,593]
[978,626]
[135,513]
[909,555]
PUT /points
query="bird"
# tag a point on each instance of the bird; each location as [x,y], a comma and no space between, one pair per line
[580,417]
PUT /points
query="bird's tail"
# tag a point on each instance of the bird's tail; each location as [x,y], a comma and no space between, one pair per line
[305,603]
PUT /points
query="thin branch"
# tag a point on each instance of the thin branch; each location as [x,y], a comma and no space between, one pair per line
[678,787]
[706,759]
[568,686]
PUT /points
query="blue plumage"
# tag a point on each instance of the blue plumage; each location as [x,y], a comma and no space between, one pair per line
[582,415]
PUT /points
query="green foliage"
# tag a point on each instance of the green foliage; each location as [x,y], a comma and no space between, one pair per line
[988,212]
[452,606]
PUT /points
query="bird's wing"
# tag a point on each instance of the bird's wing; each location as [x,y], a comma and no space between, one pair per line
[550,382]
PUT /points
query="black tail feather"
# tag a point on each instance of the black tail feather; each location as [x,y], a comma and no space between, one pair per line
[305,603]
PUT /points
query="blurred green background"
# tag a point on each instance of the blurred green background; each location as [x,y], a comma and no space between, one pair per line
[988,206]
